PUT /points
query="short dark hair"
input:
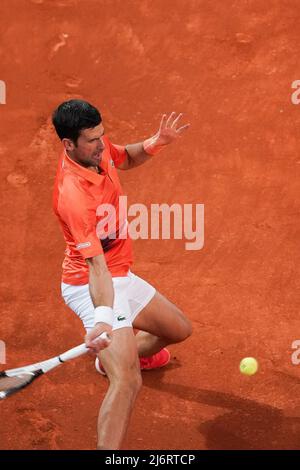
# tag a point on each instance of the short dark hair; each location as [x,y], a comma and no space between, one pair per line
[73,116]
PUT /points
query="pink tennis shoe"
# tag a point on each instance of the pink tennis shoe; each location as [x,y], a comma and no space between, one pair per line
[160,359]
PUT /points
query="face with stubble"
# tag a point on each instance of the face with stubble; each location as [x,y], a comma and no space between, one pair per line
[89,146]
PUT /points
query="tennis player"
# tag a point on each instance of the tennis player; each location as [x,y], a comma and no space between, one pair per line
[97,281]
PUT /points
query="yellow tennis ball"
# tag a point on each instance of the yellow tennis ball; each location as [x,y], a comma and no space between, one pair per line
[248,366]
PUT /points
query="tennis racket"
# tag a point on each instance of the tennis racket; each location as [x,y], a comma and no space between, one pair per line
[14,380]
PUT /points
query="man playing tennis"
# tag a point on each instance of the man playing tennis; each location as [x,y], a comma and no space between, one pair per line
[97,283]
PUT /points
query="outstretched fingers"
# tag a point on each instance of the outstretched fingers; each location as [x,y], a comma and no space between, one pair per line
[182,128]
[163,122]
[176,121]
[169,123]
[172,122]
[170,119]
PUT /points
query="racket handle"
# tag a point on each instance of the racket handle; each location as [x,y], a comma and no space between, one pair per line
[80,350]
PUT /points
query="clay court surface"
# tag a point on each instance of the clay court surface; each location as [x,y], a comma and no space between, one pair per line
[228,66]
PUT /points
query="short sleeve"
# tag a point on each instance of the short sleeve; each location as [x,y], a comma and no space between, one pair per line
[80,220]
[118,153]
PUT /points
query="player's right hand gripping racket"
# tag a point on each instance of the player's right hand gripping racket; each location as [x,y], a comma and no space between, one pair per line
[13,380]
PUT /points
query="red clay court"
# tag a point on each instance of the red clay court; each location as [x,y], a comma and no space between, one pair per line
[229,67]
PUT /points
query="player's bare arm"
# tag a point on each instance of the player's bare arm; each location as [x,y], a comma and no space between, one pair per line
[102,294]
[169,130]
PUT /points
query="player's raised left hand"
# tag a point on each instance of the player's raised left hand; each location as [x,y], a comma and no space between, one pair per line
[169,129]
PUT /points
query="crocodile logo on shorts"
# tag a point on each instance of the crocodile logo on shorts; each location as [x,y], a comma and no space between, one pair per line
[120,318]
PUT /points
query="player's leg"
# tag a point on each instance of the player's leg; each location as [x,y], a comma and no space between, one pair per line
[121,364]
[120,361]
[162,323]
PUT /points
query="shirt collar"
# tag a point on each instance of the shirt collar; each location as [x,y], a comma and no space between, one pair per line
[89,175]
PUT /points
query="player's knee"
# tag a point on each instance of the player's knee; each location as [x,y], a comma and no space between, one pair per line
[136,382]
[129,380]
[185,330]
[181,332]
[131,384]
[188,328]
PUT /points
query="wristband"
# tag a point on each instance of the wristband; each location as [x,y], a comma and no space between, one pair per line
[104,314]
[151,147]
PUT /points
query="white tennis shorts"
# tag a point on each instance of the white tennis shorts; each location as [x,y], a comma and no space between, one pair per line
[132,294]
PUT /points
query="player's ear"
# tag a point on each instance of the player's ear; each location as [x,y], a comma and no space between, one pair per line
[68,144]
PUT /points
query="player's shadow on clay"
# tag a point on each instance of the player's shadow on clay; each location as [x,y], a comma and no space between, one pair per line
[241,423]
